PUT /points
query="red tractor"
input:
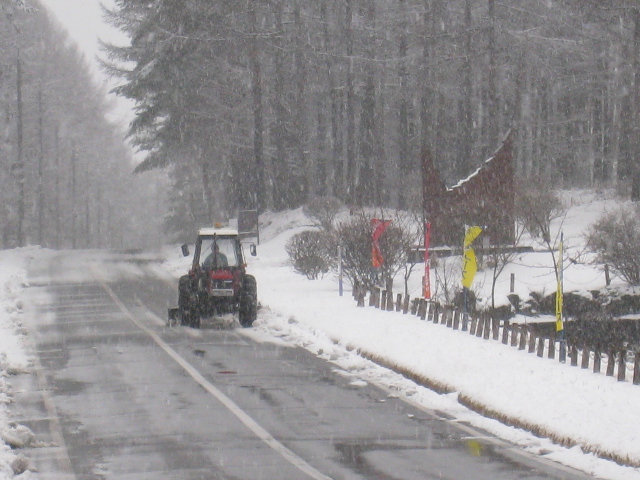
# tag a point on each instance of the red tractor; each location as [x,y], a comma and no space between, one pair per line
[217,282]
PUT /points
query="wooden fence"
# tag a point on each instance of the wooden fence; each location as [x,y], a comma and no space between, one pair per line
[535,338]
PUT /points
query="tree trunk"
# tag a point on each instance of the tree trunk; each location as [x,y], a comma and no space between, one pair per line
[635,120]
[279,130]
[366,192]
[428,98]
[257,182]
[19,170]
[305,159]
[404,159]
[615,89]
[334,164]
[350,167]
[493,125]
[40,168]
[466,120]
[74,199]
[57,210]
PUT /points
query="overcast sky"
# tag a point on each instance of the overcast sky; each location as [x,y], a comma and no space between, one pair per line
[83,20]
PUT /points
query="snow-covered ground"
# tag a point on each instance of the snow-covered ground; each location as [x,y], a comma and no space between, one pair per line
[594,412]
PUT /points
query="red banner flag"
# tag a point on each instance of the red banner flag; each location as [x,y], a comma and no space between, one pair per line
[378,227]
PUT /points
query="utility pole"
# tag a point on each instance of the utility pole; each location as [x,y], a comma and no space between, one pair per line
[40,168]
[19,165]
[58,213]
[74,161]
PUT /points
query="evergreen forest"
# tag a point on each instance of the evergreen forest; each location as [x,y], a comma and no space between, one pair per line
[66,173]
[265,104]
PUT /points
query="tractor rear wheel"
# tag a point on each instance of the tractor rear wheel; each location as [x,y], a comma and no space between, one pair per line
[250,285]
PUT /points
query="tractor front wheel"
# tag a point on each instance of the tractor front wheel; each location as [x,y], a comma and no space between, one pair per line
[248,308]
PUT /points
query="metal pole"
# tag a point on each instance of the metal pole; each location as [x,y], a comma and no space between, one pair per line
[559,303]
[340,269]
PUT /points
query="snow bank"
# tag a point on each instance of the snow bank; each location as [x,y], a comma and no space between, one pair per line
[13,358]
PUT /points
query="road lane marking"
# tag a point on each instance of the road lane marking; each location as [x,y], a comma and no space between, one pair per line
[61,453]
[249,422]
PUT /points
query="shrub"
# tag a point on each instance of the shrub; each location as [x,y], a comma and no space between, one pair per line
[536,206]
[354,235]
[615,239]
[309,253]
[323,210]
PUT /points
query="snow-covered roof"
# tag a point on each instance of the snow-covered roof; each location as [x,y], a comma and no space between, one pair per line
[218,231]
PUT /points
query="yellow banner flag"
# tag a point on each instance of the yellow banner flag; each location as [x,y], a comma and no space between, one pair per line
[471,234]
[470,265]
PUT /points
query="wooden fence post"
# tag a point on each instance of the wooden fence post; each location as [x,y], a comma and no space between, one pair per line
[405,305]
[443,315]
[586,353]
[597,361]
[390,301]
[514,334]
[622,366]
[436,312]
[456,319]
[552,345]
[505,332]
[482,328]
[532,340]
[398,302]
[573,354]
[474,323]
[487,326]
[360,297]
[523,338]
[611,363]
[414,306]
[450,317]
[423,309]
[383,300]
[636,369]
[495,326]
[465,321]
[541,342]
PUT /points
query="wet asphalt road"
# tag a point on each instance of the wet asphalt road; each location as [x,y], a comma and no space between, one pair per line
[118,395]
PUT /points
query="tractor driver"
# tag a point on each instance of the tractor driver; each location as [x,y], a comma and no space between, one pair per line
[216,258]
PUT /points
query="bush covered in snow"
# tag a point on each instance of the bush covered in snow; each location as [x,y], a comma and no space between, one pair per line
[323,211]
[354,236]
[309,253]
[615,239]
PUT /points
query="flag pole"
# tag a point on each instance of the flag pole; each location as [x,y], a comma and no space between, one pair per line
[559,303]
